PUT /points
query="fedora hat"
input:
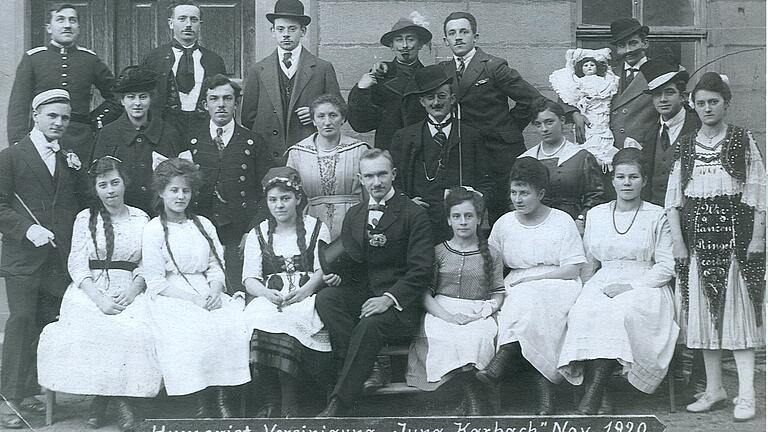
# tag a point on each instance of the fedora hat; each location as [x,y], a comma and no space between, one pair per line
[658,74]
[289,9]
[414,24]
[623,28]
[135,79]
[428,78]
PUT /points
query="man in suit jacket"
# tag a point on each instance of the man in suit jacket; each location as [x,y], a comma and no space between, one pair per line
[483,85]
[183,65]
[380,100]
[438,153]
[280,88]
[388,237]
[232,162]
[666,85]
[45,178]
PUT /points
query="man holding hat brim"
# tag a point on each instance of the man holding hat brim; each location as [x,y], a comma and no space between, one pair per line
[280,87]
[139,137]
[667,87]
[379,101]
[438,153]
[40,184]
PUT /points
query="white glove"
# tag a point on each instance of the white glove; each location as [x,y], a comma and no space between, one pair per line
[39,236]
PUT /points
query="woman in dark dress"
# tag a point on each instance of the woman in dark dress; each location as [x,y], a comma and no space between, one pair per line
[575,177]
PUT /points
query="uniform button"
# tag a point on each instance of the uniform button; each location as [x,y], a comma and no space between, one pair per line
[274,110]
[274,132]
[275,154]
[63,57]
[247,152]
[64,83]
[244,166]
[250,142]
[64,75]
[194,151]
[64,65]
[621,130]
[143,188]
[624,111]
[197,166]
[242,193]
[244,205]
[215,214]
[242,178]
[195,202]
[138,139]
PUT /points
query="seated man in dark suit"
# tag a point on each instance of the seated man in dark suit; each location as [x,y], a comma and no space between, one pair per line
[389,239]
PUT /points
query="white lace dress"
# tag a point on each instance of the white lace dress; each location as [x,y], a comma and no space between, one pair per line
[87,351]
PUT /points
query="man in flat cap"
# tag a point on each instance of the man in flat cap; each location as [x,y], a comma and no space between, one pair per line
[379,101]
[280,88]
[61,64]
[40,185]
[183,65]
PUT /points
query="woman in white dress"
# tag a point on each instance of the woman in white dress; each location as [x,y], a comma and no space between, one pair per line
[102,345]
[328,163]
[625,312]
[543,249]
[199,331]
[282,271]
[459,329]
[716,204]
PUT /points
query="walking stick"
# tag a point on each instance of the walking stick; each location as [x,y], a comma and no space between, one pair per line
[32,215]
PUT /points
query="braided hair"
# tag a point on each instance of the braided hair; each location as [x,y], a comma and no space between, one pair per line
[99,168]
[459,195]
[301,231]
[165,172]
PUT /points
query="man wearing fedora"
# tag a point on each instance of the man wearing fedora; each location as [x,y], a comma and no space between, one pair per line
[667,87]
[388,241]
[438,153]
[280,87]
[40,194]
[183,65]
[379,101]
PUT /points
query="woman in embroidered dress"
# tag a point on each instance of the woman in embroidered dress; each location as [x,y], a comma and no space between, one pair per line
[459,328]
[199,331]
[716,204]
[575,178]
[102,344]
[625,312]
[282,270]
[542,247]
[328,163]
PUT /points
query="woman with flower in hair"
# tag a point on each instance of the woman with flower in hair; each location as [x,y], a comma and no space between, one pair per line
[101,345]
[459,328]
[716,204]
[200,335]
[282,271]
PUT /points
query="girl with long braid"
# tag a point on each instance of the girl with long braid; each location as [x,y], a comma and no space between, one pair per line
[282,270]
[101,344]
[459,328]
[199,331]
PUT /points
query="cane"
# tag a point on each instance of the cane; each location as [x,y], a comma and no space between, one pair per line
[29,212]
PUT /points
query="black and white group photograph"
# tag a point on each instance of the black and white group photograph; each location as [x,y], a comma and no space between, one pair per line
[383,215]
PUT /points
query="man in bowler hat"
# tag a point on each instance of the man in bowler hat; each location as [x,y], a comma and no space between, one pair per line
[280,87]
[379,101]
[388,238]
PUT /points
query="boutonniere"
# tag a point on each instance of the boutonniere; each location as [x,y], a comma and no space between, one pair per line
[72,160]
[481,82]
[377,240]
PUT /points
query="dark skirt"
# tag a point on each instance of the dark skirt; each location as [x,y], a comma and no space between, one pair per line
[285,353]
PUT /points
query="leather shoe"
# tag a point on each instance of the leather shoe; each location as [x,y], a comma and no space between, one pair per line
[97,412]
[606,404]
[126,416]
[546,396]
[707,401]
[33,405]
[744,409]
[10,418]
[380,375]
[221,403]
[334,409]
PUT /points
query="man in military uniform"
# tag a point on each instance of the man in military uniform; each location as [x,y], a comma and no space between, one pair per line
[183,65]
[232,161]
[61,64]
[380,100]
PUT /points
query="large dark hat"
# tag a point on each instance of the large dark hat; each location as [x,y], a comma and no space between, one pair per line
[135,79]
[623,28]
[428,78]
[658,74]
[289,9]
[413,23]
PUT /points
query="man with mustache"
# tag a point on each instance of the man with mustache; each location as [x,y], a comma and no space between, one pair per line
[232,161]
[37,177]
[61,64]
[183,65]
[438,153]
[280,87]
[379,100]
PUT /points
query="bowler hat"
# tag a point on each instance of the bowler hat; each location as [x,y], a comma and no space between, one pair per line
[135,79]
[658,74]
[428,78]
[289,9]
[50,96]
[623,28]
[407,24]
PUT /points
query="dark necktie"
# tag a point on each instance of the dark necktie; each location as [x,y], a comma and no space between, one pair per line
[377,207]
[439,137]
[185,74]
[219,140]
[287,60]
[665,137]
[631,72]
[460,69]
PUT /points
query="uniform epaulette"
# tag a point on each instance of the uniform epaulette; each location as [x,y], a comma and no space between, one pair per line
[79,48]
[37,50]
